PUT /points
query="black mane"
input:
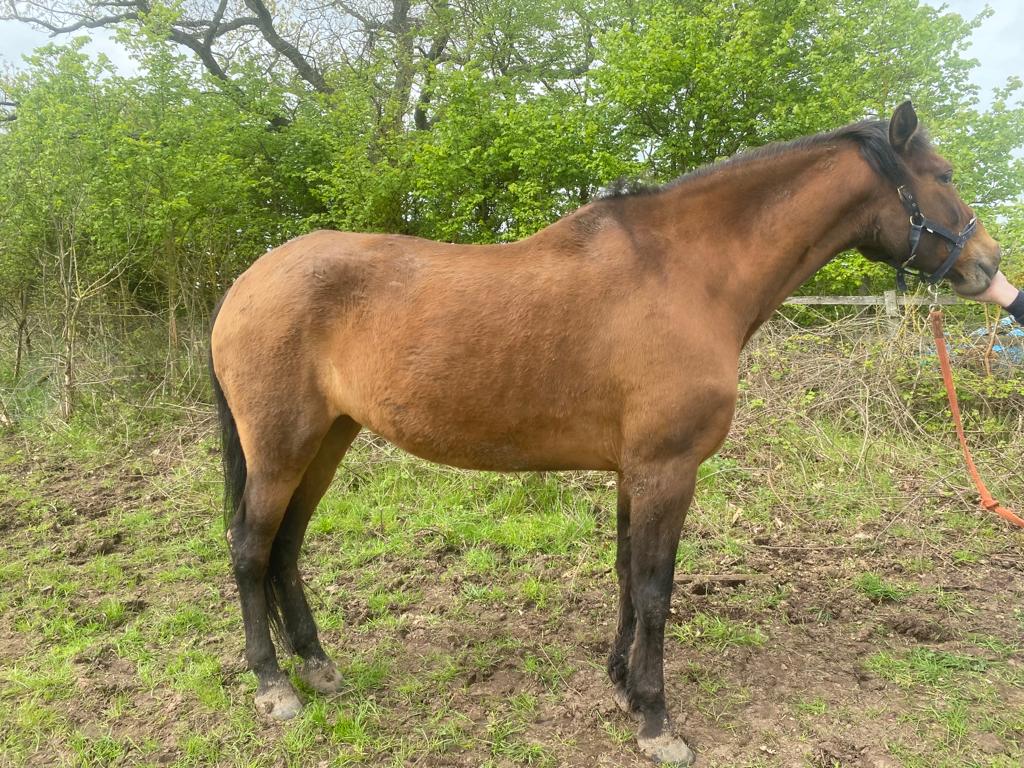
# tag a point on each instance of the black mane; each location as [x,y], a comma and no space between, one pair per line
[872,136]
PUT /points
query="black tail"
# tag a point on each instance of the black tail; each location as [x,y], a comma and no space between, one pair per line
[231,447]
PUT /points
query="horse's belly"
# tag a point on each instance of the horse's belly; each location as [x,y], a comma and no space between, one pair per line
[501,457]
[495,443]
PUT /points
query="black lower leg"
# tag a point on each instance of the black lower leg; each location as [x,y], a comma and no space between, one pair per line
[618,657]
[299,625]
[250,553]
[656,521]
[646,683]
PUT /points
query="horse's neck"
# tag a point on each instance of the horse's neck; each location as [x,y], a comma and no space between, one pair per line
[782,218]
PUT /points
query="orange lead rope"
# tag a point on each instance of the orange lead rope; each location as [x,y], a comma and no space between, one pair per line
[947,377]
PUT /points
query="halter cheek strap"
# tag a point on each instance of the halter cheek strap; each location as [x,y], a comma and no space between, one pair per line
[918,225]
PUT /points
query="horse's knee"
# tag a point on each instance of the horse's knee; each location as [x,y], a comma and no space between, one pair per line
[651,603]
[250,550]
[250,572]
[252,533]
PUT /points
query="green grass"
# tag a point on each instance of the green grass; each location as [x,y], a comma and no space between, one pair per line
[953,603]
[878,590]
[548,665]
[718,699]
[716,632]
[470,612]
[960,702]
[813,707]
[924,666]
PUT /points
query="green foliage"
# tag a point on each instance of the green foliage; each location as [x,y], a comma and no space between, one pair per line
[51,162]
[165,184]
[705,80]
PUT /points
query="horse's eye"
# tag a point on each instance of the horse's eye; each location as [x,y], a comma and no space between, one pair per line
[947,177]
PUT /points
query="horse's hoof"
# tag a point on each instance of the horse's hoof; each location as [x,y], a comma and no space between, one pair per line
[278,701]
[621,699]
[321,675]
[666,749]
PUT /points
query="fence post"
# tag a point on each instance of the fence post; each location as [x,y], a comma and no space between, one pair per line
[891,306]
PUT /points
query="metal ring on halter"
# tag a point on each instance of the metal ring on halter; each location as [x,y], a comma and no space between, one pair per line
[918,224]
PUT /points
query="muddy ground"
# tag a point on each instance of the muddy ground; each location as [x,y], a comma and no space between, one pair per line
[887,638]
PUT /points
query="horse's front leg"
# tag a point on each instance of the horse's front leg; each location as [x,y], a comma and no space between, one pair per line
[659,495]
[618,658]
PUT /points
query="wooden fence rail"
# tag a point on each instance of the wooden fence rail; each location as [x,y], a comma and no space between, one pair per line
[891,300]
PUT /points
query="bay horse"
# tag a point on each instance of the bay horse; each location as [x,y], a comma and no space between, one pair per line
[609,340]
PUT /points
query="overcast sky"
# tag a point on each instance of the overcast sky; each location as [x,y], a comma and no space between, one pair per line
[998,44]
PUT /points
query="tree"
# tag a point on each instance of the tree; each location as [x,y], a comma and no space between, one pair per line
[52,154]
[208,30]
[459,120]
[686,84]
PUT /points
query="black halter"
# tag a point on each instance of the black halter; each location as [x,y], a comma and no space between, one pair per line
[919,223]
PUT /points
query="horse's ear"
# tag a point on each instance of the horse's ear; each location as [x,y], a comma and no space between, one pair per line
[903,126]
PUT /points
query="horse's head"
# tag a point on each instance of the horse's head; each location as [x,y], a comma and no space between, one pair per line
[925,225]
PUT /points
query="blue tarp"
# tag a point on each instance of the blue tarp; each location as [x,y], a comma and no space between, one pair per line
[1009,340]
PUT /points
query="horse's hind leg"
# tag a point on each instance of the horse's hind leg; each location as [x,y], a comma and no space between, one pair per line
[251,536]
[318,671]
[278,445]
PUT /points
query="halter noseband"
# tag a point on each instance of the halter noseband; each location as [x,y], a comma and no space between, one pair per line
[919,224]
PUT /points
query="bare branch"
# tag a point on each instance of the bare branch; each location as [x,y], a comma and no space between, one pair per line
[366,21]
[202,50]
[88,23]
[306,71]
[196,31]
[217,16]
[217,27]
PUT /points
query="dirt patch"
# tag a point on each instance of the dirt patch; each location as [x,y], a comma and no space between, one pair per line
[832,753]
[919,627]
[774,656]
[102,671]
[85,546]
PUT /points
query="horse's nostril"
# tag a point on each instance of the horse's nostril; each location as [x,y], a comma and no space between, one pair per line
[991,265]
